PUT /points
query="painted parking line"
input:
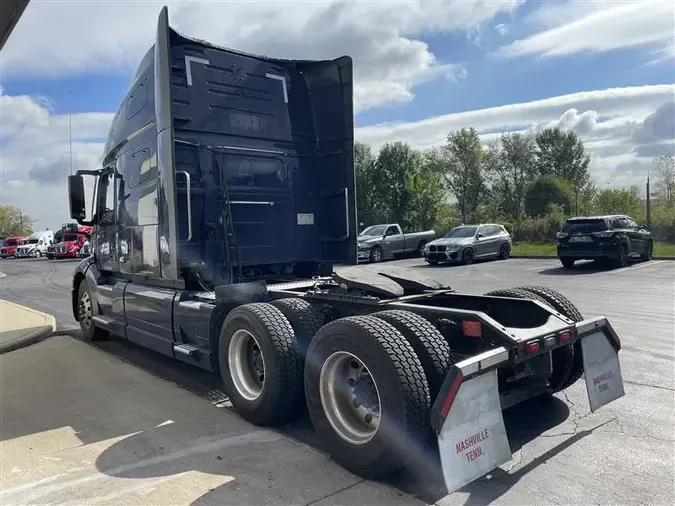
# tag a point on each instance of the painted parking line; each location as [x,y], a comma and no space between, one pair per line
[633,267]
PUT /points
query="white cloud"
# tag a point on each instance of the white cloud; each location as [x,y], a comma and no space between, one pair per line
[623,129]
[613,123]
[578,27]
[35,155]
[103,37]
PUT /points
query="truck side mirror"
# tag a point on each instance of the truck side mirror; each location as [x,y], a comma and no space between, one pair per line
[78,209]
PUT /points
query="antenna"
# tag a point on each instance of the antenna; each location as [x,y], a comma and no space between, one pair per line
[70,132]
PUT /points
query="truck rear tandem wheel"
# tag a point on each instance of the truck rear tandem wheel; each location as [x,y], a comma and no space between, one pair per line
[562,359]
[367,395]
[260,364]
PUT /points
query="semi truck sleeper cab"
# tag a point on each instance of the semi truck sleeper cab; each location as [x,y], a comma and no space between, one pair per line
[225,199]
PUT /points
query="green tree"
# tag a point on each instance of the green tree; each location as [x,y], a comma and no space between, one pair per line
[396,162]
[428,205]
[619,201]
[13,222]
[512,162]
[546,190]
[463,171]
[562,154]
[369,197]
[665,177]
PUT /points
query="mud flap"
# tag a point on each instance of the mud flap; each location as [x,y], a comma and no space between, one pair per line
[604,383]
[472,440]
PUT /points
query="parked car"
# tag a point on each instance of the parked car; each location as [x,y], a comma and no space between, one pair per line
[35,245]
[614,238]
[467,243]
[380,242]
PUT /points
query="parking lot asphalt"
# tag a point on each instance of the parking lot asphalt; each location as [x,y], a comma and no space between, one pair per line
[622,454]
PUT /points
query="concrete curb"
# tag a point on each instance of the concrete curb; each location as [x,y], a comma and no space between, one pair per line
[31,334]
[554,257]
[35,336]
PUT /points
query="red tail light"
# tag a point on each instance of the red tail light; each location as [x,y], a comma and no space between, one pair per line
[532,347]
[563,337]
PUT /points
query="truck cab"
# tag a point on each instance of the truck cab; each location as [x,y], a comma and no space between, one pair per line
[35,245]
[10,246]
[221,168]
[71,244]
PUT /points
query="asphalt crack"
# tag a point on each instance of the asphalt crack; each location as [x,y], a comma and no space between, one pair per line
[334,493]
[649,385]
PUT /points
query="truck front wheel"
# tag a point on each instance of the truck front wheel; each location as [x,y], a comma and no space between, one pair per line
[85,314]
[367,396]
[260,364]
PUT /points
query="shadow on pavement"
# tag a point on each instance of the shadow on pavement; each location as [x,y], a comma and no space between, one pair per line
[154,448]
[493,486]
[579,269]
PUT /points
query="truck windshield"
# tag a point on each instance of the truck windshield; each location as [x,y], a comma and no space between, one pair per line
[374,230]
[32,241]
[70,237]
[461,232]
[12,242]
[584,226]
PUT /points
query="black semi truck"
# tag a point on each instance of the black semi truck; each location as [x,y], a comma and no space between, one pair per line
[225,236]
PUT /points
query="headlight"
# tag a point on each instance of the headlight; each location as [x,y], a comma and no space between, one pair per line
[363,246]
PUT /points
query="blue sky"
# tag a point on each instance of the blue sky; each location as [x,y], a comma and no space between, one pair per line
[426,66]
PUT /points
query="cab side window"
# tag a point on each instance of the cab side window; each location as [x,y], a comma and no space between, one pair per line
[105,208]
[391,231]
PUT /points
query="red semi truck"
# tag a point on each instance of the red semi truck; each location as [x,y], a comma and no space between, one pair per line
[9,249]
[74,238]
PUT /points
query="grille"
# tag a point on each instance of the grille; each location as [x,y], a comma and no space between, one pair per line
[61,249]
[441,248]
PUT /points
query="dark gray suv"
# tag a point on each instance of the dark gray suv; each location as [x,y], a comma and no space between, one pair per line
[614,238]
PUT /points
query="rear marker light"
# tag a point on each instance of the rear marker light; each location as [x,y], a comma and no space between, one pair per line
[563,337]
[471,328]
[532,347]
[549,341]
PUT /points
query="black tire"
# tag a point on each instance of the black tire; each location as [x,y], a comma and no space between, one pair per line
[376,254]
[305,319]
[567,263]
[401,385]
[559,356]
[562,358]
[86,309]
[647,255]
[429,344]
[468,256]
[420,248]
[622,261]
[282,382]
[504,251]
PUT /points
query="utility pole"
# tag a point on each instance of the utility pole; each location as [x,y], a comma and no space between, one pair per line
[70,132]
[649,206]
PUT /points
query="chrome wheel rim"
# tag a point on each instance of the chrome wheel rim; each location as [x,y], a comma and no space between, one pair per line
[85,310]
[377,256]
[247,365]
[350,398]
